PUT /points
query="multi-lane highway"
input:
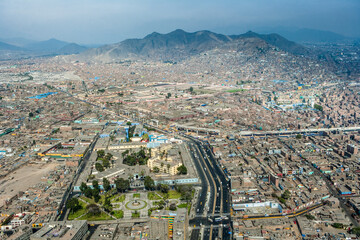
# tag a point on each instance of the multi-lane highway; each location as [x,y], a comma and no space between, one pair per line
[213,205]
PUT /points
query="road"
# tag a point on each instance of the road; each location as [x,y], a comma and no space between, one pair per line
[218,202]
[289,215]
[63,212]
[300,131]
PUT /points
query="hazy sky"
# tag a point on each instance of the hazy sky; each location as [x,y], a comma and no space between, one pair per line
[108,21]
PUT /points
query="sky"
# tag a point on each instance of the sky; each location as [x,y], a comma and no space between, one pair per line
[110,21]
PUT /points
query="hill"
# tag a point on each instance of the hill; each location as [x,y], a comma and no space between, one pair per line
[48,46]
[71,48]
[179,45]
[9,47]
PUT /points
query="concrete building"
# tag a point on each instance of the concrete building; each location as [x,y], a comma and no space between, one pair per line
[66,230]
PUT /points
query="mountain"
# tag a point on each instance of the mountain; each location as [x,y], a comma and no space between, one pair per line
[19,42]
[277,41]
[71,48]
[306,35]
[48,46]
[9,47]
[178,45]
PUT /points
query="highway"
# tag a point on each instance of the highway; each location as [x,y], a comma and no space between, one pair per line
[300,131]
[218,203]
[201,201]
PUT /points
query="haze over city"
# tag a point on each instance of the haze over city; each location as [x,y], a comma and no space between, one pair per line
[112,21]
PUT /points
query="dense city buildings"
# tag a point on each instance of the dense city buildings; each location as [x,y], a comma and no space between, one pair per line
[246,140]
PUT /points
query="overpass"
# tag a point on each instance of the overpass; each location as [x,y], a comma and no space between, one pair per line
[292,132]
[197,129]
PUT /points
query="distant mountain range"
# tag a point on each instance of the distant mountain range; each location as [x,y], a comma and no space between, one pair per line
[21,48]
[178,45]
[305,35]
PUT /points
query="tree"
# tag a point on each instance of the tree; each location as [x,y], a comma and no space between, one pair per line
[156,170]
[298,136]
[108,156]
[106,163]
[182,170]
[149,183]
[88,192]
[99,167]
[172,207]
[106,185]
[122,185]
[337,225]
[96,197]
[318,107]
[356,230]
[93,209]
[96,186]
[100,153]
[31,115]
[128,123]
[191,89]
[286,195]
[107,204]
[168,95]
[83,187]
[309,217]
[164,188]
[185,191]
[73,204]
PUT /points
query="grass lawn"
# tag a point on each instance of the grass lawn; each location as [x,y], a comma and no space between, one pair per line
[236,90]
[135,214]
[79,212]
[120,198]
[172,194]
[136,195]
[91,200]
[183,205]
[102,216]
[153,196]
[118,214]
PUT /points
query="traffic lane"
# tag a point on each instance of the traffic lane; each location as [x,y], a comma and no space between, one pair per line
[224,183]
[195,234]
[207,169]
[203,193]
[210,165]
